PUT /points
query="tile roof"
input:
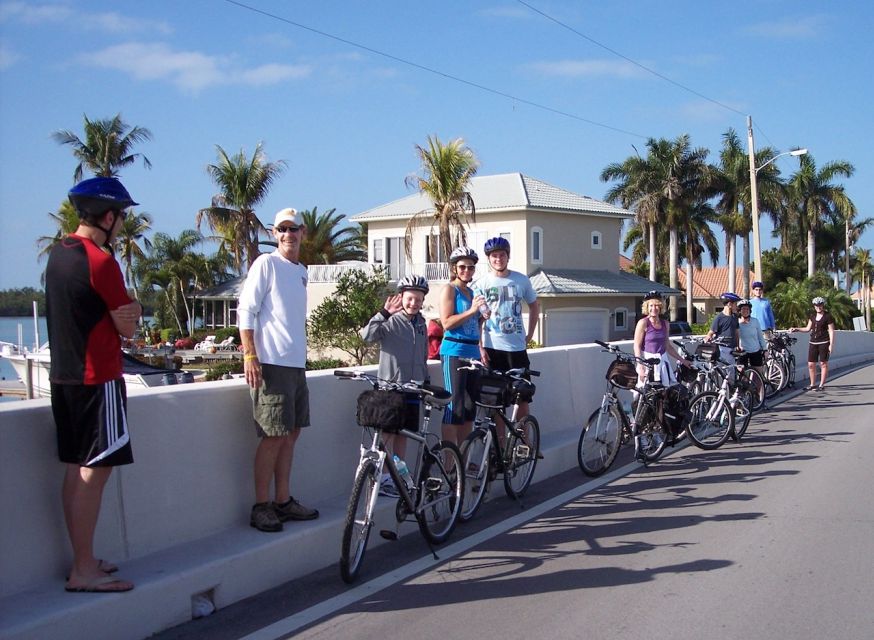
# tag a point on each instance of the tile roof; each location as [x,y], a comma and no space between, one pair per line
[226,290]
[711,282]
[594,282]
[509,191]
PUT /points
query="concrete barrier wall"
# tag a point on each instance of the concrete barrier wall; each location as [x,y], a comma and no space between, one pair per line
[193,449]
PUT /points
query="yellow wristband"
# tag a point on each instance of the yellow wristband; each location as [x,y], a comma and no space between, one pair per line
[248,357]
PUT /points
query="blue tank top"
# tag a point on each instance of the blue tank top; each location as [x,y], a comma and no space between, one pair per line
[463,340]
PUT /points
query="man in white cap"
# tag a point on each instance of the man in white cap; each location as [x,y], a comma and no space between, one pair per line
[272,317]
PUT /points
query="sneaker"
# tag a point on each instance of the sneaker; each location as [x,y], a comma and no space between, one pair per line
[294,510]
[808,388]
[264,518]
[387,488]
[821,387]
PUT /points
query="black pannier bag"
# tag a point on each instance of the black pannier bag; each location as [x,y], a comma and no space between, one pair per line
[675,408]
[383,409]
[522,391]
[707,352]
[492,390]
[622,374]
[687,374]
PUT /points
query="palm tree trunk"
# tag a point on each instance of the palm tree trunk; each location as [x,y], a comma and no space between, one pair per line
[185,304]
[847,255]
[652,253]
[811,253]
[672,267]
[867,298]
[731,244]
[745,274]
[689,288]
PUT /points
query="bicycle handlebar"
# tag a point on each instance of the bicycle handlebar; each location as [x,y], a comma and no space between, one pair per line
[518,372]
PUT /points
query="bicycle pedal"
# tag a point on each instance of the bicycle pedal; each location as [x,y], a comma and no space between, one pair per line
[433,484]
[388,535]
[522,451]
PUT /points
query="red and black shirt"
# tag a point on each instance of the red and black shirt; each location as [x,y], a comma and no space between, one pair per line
[83,283]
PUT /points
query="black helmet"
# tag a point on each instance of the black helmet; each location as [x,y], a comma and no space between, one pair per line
[652,295]
[413,283]
[95,196]
[459,253]
[497,244]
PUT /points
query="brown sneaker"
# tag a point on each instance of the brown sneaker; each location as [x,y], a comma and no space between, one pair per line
[264,518]
[294,510]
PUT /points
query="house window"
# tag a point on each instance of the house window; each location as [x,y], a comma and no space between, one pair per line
[596,240]
[379,251]
[536,245]
[390,251]
[620,319]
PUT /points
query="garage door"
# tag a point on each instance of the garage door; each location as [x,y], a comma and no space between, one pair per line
[576,326]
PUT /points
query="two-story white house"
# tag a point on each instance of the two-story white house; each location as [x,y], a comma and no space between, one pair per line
[567,243]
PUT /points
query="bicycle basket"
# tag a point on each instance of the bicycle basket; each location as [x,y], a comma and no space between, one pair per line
[687,374]
[622,374]
[707,352]
[522,391]
[492,390]
[381,409]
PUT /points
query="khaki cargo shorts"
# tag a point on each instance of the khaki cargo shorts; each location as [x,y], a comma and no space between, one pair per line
[282,402]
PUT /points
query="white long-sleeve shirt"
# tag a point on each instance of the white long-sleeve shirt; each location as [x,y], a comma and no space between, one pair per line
[273,304]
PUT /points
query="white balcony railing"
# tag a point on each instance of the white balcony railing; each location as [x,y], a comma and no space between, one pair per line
[433,271]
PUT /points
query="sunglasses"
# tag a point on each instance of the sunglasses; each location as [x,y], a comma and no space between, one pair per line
[287,229]
[464,267]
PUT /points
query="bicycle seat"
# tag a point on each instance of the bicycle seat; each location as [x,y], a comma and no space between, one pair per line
[436,396]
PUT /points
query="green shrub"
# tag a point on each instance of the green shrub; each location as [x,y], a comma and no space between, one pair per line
[168,335]
[217,370]
[223,334]
[325,363]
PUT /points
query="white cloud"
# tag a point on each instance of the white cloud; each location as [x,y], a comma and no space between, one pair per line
[789,28]
[586,68]
[57,13]
[8,57]
[188,70]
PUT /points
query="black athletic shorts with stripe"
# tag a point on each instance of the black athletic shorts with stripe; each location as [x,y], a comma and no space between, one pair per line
[91,423]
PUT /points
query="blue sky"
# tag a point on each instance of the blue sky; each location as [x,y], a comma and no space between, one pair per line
[201,73]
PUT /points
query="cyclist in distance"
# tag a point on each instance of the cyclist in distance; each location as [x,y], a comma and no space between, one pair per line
[821,327]
[651,340]
[725,327]
[761,308]
[460,315]
[752,340]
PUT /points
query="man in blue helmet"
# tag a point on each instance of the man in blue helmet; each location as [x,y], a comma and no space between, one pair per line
[87,308]
[761,308]
[725,329]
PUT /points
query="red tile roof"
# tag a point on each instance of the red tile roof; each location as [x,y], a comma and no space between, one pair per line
[711,282]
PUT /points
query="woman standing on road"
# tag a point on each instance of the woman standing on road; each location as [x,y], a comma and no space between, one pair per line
[651,340]
[460,317]
[821,327]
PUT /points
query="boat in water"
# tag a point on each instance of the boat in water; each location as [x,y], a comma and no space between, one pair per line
[137,374]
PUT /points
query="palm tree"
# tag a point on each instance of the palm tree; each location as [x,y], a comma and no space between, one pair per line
[324,242]
[132,233]
[778,266]
[66,221]
[106,148]
[447,170]
[243,183]
[661,188]
[814,197]
[173,267]
[697,237]
[853,231]
[862,271]
[732,185]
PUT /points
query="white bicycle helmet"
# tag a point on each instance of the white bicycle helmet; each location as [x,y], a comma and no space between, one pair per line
[413,283]
[818,300]
[463,252]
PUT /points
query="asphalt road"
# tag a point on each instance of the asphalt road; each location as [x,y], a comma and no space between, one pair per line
[771,538]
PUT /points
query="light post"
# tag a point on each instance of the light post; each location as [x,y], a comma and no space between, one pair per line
[754,191]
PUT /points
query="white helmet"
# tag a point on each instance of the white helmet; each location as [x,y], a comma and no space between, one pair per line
[818,300]
[463,252]
[413,283]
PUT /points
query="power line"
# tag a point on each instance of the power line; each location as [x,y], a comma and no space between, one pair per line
[626,58]
[436,72]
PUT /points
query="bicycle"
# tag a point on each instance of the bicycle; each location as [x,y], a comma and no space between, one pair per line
[609,427]
[434,499]
[780,362]
[484,453]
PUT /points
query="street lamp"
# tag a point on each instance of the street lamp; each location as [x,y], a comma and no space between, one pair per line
[754,192]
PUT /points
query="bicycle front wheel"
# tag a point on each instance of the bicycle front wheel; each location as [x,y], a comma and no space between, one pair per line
[712,420]
[520,456]
[359,521]
[775,377]
[475,462]
[599,442]
[441,487]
